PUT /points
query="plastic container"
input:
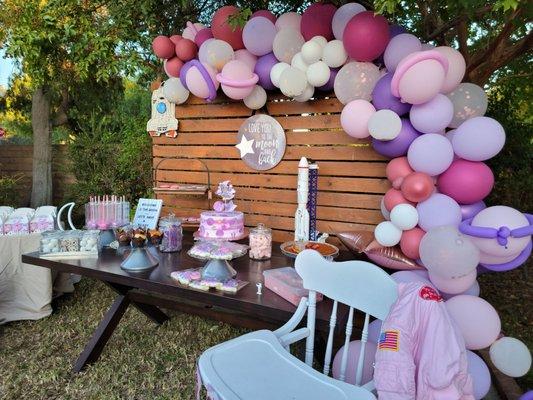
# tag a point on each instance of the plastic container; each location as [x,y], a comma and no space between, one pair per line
[286,282]
[172,231]
[50,242]
[260,243]
[90,241]
[69,242]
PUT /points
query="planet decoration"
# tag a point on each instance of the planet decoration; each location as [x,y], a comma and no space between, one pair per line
[415,111]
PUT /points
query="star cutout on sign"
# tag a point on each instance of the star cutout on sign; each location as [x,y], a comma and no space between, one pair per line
[245,146]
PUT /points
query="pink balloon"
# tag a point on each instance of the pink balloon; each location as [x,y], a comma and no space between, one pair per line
[417,187]
[172,67]
[456,68]
[202,36]
[163,47]
[265,14]
[316,21]
[246,57]
[455,285]
[237,80]
[290,20]
[354,349]
[355,116]
[398,168]
[476,319]
[496,217]
[419,77]
[473,290]
[366,36]
[410,242]
[466,182]
[196,83]
[393,197]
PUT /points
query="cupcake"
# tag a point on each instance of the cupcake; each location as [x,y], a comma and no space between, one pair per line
[155,236]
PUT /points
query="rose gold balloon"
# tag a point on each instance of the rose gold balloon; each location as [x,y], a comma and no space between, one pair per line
[390,257]
[417,187]
[393,197]
[356,241]
[410,242]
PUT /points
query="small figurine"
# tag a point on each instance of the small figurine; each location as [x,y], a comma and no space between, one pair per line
[163,118]
[259,287]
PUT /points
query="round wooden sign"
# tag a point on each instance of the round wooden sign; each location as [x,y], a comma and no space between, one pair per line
[261,142]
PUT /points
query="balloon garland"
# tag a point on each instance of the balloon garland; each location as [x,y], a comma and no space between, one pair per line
[409,99]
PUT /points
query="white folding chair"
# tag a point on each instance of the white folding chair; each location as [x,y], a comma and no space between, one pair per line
[258,365]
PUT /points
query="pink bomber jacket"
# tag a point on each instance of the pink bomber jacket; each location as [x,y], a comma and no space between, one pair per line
[421,355]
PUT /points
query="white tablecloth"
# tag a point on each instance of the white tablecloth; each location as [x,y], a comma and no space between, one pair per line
[26,290]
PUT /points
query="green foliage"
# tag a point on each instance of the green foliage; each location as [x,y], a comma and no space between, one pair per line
[9,196]
[111,152]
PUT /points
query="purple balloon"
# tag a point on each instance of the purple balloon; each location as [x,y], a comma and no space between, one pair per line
[374,329]
[470,210]
[433,116]
[527,396]
[262,69]
[480,374]
[398,146]
[395,30]
[438,210]
[328,87]
[382,97]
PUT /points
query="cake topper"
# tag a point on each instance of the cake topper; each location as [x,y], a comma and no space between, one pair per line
[227,193]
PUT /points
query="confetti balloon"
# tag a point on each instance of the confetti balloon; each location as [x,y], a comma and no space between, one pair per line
[398,48]
[174,91]
[334,54]
[222,30]
[478,139]
[341,17]
[366,36]
[257,99]
[292,82]
[456,68]
[263,67]
[290,20]
[216,53]
[468,101]
[316,21]
[287,43]
[258,35]
[356,80]
[318,74]
[448,253]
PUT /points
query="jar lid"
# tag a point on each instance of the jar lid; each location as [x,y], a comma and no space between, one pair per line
[261,228]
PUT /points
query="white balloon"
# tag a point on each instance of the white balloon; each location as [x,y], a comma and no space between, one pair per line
[311,51]
[321,40]
[384,211]
[510,356]
[308,92]
[256,99]
[174,91]
[404,216]
[384,125]
[387,234]
[298,62]
[334,54]
[318,74]
[287,43]
[292,82]
[276,71]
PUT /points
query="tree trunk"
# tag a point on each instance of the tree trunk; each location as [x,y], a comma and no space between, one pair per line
[41,191]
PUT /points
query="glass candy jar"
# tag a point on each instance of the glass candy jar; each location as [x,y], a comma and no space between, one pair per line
[171,229]
[260,243]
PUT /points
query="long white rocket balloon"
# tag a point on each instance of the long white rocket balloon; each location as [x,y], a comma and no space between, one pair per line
[301,217]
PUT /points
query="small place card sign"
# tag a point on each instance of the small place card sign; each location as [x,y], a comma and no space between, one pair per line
[147,213]
[262,142]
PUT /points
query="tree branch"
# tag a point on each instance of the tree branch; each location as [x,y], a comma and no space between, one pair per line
[462,37]
[61,116]
[455,21]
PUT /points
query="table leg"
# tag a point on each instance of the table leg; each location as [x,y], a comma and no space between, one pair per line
[151,311]
[105,329]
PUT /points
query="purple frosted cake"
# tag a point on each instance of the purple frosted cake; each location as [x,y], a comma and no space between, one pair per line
[226,225]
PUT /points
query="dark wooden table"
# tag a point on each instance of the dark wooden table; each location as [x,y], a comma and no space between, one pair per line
[155,289]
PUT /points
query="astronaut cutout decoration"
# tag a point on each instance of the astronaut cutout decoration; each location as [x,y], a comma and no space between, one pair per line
[163,118]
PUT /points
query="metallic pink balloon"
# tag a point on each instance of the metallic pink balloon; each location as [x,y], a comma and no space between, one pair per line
[390,257]
[356,241]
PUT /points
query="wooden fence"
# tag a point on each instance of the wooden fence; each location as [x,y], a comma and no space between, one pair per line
[351,174]
[17,159]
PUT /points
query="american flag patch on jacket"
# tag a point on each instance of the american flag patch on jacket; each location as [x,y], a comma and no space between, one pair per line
[389,340]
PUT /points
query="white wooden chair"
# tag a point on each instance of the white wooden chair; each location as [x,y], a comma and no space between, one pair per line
[258,365]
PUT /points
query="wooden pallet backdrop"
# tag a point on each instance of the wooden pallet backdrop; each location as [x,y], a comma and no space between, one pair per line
[351,175]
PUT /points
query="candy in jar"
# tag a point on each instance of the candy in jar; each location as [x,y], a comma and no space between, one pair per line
[260,243]
[171,228]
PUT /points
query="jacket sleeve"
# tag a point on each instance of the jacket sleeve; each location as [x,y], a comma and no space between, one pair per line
[442,364]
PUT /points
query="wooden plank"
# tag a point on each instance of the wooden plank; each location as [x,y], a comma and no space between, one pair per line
[344,184]
[362,152]
[331,105]
[187,111]
[328,137]
[326,168]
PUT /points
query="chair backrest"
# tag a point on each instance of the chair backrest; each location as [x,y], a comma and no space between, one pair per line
[360,285]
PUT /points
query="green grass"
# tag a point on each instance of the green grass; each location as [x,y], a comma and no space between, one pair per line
[143,361]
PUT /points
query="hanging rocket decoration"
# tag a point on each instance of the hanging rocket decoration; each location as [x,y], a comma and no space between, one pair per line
[301,218]
[312,201]
[163,118]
